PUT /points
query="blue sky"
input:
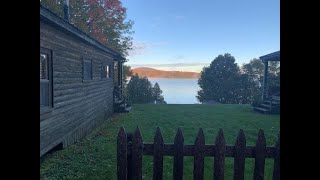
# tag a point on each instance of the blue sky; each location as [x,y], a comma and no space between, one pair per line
[188,34]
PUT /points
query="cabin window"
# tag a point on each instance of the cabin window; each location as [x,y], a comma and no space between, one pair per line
[105,72]
[87,69]
[45,79]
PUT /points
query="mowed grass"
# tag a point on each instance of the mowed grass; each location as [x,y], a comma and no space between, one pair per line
[95,156]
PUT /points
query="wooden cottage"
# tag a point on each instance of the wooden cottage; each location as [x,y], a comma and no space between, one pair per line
[270,102]
[76,82]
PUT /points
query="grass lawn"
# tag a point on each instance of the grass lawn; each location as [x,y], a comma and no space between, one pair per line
[95,156]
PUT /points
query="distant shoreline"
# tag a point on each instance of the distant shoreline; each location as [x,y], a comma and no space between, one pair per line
[170,78]
[155,73]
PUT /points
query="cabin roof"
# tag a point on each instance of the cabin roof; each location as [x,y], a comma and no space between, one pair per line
[275,56]
[51,18]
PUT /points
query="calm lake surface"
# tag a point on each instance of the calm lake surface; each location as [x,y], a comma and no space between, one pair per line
[178,91]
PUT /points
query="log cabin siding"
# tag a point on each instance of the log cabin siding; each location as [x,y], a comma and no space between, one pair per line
[78,105]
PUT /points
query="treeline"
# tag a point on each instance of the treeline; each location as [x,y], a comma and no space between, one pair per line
[225,82]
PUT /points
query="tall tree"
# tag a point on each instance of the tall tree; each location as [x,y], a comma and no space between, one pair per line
[223,82]
[255,71]
[105,20]
[157,94]
[219,81]
[140,90]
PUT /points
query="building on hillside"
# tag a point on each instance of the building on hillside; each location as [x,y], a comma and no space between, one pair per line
[270,102]
[76,82]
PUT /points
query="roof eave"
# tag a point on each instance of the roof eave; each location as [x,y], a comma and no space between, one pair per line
[275,56]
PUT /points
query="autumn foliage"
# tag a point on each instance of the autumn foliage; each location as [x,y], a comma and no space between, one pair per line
[105,20]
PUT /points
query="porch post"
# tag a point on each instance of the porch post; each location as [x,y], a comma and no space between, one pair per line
[265,80]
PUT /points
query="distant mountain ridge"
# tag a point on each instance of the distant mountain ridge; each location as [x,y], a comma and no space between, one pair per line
[155,73]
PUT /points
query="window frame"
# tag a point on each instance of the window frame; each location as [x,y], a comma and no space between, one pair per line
[48,53]
[107,71]
[86,59]
[105,75]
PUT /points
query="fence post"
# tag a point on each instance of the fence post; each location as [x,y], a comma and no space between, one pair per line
[239,156]
[178,156]
[276,167]
[220,149]
[122,155]
[137,148]
[260,157]
[199,148]
[129,155]
[158,146]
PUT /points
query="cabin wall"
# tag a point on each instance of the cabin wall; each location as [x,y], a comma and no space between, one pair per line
[78,105]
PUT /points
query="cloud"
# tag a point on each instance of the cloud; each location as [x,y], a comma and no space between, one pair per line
[143,47]
[179,17]
[155,25]
[139,47]
[157,18]
[178,57]
[155,22]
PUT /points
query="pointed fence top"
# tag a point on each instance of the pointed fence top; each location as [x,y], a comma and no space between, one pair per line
[241,138]
[158,136]
[121,132]
[137,133]
[179,136]
[220,137]
[261,137]
[200,133]
[200,140]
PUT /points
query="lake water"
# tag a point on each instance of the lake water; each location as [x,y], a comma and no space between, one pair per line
[178,91]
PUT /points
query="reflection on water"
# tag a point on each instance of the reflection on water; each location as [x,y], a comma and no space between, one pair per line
[178,91]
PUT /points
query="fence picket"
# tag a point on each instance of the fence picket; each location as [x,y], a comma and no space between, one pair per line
[260,157]
[220,149]
[158,155]
[198,166]
[239,156]
[178,156]
[276,167]
[122,155]
[137,147]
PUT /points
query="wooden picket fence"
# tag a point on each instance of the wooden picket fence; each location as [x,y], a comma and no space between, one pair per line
[131,148]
